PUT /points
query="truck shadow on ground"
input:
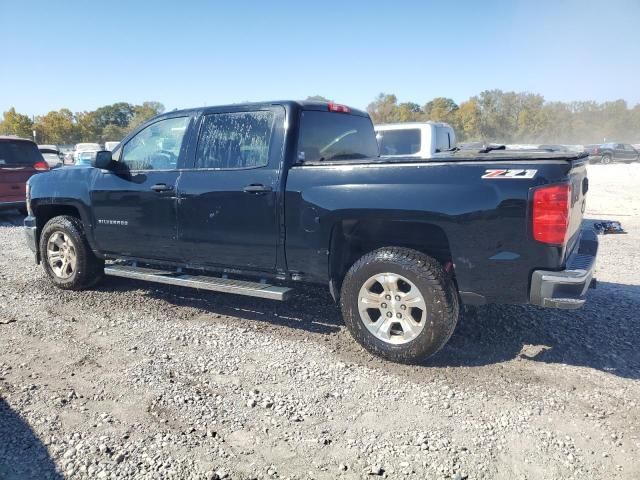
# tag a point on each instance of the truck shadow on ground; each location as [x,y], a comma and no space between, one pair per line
[603,335]
[22,454]
[310,309]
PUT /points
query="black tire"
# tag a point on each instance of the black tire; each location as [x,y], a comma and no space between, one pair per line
[436,286]
[89,269]
[606,159]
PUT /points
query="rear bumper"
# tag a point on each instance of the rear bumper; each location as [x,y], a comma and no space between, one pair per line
[31,236]
[567,288]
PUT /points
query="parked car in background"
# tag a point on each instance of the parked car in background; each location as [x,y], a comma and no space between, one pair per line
[52,155]
[612,152]
[414,139]
[110,145]
[20,159]
[85,147]
[85,158]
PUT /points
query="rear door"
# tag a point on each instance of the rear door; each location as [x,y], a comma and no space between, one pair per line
[135,203]
[619,153]
[228,201]
[17,159]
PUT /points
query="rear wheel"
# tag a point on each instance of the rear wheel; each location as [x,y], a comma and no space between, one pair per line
[400,304]
[606,159]
[66,255]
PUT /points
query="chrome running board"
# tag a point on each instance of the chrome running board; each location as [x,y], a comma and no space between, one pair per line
[202,282]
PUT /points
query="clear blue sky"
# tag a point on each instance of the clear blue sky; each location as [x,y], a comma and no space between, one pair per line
[84,54]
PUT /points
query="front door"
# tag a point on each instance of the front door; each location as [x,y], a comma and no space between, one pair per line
[135,203]
[228,201]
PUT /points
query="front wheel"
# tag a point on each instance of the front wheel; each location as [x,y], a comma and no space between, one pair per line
[400,304]
[66,255]
[606,159]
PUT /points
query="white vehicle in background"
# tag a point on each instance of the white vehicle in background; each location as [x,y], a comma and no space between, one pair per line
[110,145]
[85,147]
[414,139]
[51,155]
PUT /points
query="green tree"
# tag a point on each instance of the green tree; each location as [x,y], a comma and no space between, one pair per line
[384,109]
[144,112]
[440,109]
[467,121]
[88,129]
[14,123]
[119,114]
[409,112]
[113,133]
[57,127]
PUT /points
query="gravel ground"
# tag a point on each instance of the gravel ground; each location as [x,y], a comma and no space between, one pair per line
[135,380]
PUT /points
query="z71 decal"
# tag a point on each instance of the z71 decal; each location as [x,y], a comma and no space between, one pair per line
[509,173]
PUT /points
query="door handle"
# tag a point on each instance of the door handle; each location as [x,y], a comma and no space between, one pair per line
[161,187]
[256,188]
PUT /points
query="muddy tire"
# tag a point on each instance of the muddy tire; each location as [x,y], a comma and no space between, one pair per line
[606,159]
[399,304]
[66,255]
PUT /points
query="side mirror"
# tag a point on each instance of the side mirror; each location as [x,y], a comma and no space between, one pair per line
[102,160]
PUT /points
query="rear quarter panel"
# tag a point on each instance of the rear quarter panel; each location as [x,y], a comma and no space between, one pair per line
[486,220]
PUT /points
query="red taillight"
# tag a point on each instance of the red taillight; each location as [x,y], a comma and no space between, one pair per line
[334,107]
[551,213]
[41,166]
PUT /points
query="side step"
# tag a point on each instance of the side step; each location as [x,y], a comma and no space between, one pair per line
[203,282]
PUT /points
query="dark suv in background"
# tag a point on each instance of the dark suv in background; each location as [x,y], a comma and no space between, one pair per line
[19,160]
[612,152]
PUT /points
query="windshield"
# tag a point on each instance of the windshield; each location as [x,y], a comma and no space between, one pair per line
[335,136]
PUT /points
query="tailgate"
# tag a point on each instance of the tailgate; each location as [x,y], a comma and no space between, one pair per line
[579,187]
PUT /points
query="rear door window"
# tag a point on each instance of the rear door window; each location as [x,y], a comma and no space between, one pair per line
[19,153]
[235,140]
[335,136]
[399,142]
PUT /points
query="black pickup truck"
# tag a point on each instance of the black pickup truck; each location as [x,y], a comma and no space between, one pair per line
[252,199]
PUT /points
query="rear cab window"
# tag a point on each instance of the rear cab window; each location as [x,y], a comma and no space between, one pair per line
[399,142]
[19,153]
[331,136]
[235,140]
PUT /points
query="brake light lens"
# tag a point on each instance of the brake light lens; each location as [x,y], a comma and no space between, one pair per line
[41,166]
[334,107]
[551,207]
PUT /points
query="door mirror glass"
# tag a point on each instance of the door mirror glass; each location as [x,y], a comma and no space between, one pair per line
[103,160]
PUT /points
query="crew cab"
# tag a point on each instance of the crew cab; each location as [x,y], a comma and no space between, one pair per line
[253,199]
[414,139]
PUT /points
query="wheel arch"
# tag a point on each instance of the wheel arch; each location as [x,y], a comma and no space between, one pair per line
[43,211]
[351,239]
